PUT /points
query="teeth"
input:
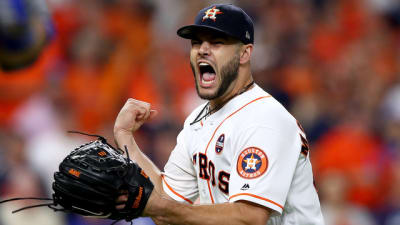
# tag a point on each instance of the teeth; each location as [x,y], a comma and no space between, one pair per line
[203,64]
[207,82]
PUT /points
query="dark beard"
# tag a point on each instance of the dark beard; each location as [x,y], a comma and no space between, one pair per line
[229,73]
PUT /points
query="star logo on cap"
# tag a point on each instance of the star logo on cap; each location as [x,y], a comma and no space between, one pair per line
[211,13]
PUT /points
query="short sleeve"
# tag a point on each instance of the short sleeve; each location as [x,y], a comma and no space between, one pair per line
[179,177]
[264,164]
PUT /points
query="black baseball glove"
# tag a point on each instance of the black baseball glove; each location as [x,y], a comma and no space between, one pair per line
[92,177]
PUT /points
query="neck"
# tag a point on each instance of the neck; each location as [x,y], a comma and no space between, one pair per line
[216,104]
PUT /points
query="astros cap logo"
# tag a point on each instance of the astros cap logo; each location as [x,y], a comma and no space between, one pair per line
[223,18]
[211,13]
[252,163]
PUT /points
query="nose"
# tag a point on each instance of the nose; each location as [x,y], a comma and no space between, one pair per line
[204,48]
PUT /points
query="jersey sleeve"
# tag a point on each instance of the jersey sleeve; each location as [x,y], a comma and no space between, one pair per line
[179,177]
[265,163]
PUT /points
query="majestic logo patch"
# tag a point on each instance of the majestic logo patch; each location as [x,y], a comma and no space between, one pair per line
[252,163]
[211,13]
[219,146]
[245,187]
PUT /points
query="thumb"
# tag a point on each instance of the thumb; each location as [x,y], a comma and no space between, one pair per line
[153,113]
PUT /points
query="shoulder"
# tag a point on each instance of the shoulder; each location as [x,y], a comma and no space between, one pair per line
[264,110]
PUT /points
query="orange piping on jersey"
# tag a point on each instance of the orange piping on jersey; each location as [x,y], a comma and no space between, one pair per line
[176,193]
[256,196]
[209,190]
[215,131]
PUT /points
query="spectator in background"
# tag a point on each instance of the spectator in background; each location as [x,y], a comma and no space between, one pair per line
[22,180]
[353,151]
[389,212]
[337,210]
[26,49]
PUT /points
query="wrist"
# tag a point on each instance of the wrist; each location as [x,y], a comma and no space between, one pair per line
[122,134]
[118,131]
[124,137]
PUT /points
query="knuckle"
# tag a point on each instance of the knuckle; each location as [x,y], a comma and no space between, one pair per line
[138,104]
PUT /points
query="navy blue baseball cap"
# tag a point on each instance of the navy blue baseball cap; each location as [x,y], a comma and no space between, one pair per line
[224,18]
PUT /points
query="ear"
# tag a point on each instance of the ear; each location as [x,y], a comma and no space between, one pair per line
[245,53]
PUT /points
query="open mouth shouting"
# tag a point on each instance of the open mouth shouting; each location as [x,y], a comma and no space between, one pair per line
[207,75]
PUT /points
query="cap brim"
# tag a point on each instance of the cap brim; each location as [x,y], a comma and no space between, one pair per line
[190,31]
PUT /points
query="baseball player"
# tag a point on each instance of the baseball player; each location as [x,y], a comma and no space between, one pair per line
[241,154]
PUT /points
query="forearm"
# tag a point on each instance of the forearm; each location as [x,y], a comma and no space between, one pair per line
[126,139]
[166,211]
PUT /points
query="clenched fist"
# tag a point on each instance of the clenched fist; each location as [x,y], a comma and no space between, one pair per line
[132,116]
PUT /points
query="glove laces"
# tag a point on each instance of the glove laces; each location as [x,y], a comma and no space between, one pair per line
[31,206]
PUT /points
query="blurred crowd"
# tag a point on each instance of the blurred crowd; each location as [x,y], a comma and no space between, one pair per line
[335,64]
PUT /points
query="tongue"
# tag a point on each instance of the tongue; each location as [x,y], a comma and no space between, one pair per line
[207,76]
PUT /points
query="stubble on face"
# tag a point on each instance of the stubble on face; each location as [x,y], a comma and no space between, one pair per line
[229,73]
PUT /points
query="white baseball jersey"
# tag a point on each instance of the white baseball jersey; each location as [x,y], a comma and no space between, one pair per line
[251,149]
